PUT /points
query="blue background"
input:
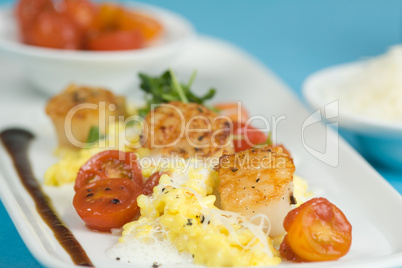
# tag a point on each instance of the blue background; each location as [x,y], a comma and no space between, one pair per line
[293,38]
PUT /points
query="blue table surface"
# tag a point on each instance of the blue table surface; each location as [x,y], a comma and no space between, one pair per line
[293,38]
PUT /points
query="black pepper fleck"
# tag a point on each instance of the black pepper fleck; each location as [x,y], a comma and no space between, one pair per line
[257,180]
[234,169]
[76,97]
[89,195]
[115,201]
[107,189]
[293,200]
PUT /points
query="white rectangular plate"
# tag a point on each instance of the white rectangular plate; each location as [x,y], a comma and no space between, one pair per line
[371,204]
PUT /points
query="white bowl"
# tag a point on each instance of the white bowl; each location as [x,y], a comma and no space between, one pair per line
[50,70]
[379,140]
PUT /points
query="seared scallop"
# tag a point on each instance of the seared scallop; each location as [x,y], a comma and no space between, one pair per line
[258,180]
[77,109]
[186,130]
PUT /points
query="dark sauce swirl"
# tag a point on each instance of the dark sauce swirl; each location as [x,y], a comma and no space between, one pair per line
[17,141]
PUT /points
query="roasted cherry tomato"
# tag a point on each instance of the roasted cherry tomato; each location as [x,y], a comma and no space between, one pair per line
[54,30]
[109,164]
[106,18]
[115,40]
[151,182]
[108,203]
[147,26]
[316,231]
[81,12]
[80,24]
[27,11]
[287,252]
[235,111]
[246,136]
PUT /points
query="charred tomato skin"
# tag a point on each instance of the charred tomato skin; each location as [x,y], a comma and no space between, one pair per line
[316,231]
[109,164]
[107,204]
[151,182]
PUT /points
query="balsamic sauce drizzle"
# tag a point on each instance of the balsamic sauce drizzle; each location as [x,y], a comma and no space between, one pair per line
[17,141]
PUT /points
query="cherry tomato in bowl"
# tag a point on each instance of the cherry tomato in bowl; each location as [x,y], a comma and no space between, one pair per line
[112,69]
[109,164]
[106,17]
[53,30]
[116,28]
[149,27]
[27,12]
[82,24]
[80,12]
[316,231]
[115,40]
[107,204]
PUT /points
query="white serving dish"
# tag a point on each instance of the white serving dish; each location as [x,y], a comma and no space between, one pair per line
[50,70]
[341,175]
[378,140]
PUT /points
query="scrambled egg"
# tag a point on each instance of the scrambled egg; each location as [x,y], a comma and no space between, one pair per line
[65,171]
[300,190]
[183,204]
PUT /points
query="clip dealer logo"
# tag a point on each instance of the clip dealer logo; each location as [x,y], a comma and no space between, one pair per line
[330,155]
[185,129]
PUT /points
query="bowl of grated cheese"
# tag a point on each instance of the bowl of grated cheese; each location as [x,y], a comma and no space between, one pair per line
[364,97]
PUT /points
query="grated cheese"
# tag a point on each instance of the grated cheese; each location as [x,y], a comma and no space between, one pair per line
[376,89]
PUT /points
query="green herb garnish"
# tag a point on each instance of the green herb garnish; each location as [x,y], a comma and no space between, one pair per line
[94,135]
[269,140]
[166,88]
